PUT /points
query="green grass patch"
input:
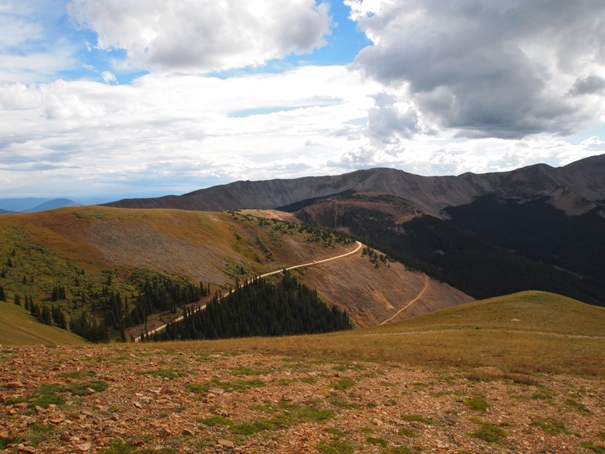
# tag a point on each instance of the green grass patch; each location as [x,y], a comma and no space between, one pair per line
[476,403]
[553,427]
[342,384]
[577,407]
[599,449]
[409,433]
[197,388]
[337,402]
[418,418]
[334,431]
[46,395]
[377,441]
[170,374]
[214,421]
[335,447]
[80,389]
[488,431]
[237,385]
[251,428]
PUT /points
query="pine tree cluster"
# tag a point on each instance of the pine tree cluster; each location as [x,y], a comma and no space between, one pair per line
[259,308]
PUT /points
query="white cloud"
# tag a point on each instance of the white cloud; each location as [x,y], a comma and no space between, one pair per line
[31,49]
[109,77]
[488,68]
[177,133]
[204,35]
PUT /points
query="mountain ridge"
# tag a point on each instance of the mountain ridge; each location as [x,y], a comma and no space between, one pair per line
[575,188]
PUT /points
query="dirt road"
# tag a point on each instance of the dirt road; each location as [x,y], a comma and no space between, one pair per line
[318,262]
[422,292]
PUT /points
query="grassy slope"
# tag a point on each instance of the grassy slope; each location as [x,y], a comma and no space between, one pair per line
[53,247]
[19,328]
[554,335]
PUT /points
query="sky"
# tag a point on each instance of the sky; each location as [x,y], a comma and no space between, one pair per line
[139,98]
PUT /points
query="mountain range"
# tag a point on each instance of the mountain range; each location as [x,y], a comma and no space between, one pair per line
[576,188]
[33,204]
[536,227]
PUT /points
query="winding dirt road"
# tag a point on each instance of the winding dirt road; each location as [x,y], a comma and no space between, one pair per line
[422,292]
[314,263]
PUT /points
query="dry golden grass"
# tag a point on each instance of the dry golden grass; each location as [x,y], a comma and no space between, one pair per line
[17,327]
[468,336]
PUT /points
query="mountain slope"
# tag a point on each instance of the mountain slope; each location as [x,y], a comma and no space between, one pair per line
[575,188]
[19,328]
[451,254]
[90,252]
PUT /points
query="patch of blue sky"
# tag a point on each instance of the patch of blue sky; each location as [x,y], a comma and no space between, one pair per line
[597,130]
[358,122]
[341,48]
[262,111]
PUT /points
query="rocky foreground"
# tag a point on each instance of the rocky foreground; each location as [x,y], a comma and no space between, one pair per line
[115,400]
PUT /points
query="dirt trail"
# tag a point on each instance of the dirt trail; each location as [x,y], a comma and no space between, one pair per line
[318,262]
[422,292]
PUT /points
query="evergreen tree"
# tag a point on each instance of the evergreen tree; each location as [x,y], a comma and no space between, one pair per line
[17,299]
[2,294]
[259,308]
[46,316]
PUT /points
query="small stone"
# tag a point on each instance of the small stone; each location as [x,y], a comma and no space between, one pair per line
[84,447]
[226,443]
[217,391]
[138,405]
[377,422]
[14,385]
[65,436]
[165,432]
[3,434]
[115,417]
[188,433]
[90,391]
[39,410]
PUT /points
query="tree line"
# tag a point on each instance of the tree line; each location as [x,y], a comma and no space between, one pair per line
[258,308]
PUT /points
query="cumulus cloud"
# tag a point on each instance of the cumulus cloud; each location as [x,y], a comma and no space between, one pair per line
[178,130]
[488,68]
[587,85]
[204,35]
